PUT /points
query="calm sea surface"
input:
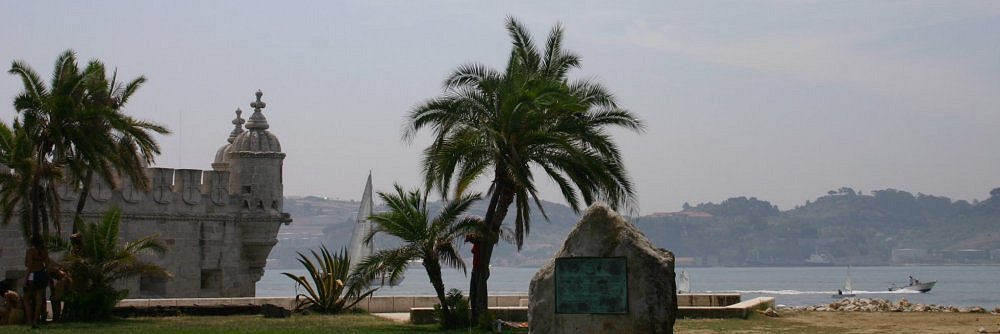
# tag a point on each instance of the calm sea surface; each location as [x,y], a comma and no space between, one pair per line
[792,286]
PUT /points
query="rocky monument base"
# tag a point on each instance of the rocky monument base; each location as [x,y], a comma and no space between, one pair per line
[649,304]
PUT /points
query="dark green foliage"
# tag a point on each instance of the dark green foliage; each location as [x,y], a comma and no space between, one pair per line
[487,321]
[426,238]
[67,132]
[325,288]
[459,315]
[92,304]
[507,125]
[100,260]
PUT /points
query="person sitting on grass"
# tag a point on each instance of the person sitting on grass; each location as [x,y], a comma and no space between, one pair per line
[12,311]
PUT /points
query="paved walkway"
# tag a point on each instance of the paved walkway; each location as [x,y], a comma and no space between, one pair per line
[397,317]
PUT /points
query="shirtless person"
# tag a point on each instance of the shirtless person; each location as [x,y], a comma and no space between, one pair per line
[37,261]
[60,283]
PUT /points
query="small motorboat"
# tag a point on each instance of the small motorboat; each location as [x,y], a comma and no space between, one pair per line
[916,286]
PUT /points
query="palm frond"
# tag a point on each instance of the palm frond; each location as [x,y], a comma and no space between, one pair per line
[528,115]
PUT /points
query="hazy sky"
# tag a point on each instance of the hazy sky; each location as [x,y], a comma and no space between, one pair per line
[782,100]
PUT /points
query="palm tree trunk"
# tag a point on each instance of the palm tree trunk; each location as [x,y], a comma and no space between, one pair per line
[434,273]
[478,292]
[37,199]
[82,201]
[36,214]
[44,212]
[500,201]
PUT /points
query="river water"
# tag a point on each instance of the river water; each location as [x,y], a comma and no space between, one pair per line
[792,286]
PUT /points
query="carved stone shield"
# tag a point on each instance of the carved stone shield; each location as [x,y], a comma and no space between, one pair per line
[100,190]
[162,182]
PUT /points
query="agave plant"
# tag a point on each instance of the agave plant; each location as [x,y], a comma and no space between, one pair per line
[325,291]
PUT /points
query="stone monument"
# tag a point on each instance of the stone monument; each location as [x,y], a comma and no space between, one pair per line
[606,278]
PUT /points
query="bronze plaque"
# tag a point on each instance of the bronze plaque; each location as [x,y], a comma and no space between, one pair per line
[591,285]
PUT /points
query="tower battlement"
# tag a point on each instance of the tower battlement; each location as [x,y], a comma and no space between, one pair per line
[219,225]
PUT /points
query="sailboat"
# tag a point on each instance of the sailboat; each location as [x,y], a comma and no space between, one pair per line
[848,288]
[362,227]
[684,282]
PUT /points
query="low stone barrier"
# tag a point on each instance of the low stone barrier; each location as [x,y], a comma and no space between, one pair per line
[377,304]
[739,310]
[508,307]
[198,306]
[704,299]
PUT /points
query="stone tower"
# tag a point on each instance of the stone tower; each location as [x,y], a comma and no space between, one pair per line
[255,160]
[255,164]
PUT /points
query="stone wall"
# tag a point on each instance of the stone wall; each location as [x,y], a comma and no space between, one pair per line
[219,225]
[217,243]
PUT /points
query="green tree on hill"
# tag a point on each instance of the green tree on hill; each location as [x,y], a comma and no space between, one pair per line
[505,125]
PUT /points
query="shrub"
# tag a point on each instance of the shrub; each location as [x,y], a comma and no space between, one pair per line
[459,315]
[98,260]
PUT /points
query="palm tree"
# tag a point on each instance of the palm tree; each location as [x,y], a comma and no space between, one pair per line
[73,125]
[116,144]
[43,112]
[19,167]
[507,125]
[424,238]
[101,261]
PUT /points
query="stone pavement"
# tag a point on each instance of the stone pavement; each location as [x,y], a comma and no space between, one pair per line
[396,317]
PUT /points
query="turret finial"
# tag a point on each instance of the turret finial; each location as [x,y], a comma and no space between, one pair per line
[257,120]
[258,105]
[237,125]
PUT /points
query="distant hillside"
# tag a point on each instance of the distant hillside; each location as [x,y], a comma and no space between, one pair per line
[843,227]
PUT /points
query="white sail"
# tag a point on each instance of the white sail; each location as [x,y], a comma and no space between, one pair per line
[847,281]
[362,227]
[684,284]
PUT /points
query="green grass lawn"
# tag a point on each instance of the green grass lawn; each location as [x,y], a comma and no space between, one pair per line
[366,323]
[345,323]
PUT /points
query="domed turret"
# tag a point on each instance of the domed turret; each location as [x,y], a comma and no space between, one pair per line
[257,138]
[222,155]
[255,164]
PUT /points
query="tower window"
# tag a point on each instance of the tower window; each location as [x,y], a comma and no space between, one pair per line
[211,278]
[151,286]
